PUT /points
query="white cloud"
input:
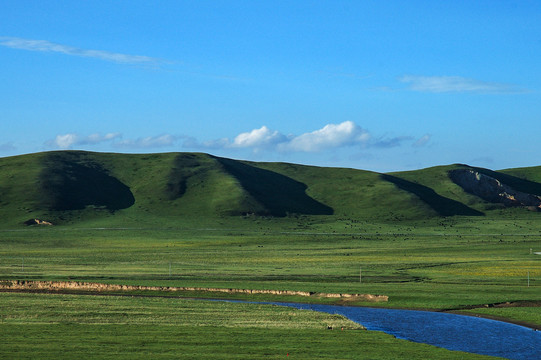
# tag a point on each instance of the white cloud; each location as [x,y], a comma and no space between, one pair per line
[258,138]
[439,84]
[47,46]
[65,141]
[331,135]
[346,133]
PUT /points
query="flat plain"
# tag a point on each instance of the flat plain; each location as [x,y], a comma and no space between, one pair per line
[432,268]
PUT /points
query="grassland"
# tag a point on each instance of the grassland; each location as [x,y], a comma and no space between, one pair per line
[435,267]
[197,220]
[417,270]
[72,326]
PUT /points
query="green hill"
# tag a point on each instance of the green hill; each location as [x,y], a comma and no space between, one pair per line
[106,189]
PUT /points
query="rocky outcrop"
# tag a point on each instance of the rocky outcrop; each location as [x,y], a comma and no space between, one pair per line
[31,285]
[37,222]
[493,190]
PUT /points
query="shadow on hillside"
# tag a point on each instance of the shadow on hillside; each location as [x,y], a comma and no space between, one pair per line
[72,181]
[522,185]
[184,167]
[279,194]
[442,205]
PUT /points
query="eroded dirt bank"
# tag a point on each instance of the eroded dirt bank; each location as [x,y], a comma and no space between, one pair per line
[99,287]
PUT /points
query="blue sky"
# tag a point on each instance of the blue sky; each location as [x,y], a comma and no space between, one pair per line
[374,85]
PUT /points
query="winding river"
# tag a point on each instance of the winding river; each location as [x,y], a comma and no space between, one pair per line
[450,331]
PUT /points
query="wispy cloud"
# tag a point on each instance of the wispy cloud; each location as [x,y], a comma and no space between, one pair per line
[441,84]
[71,140]
[387,143]
[149,142]
[47,46]
[74,140]
[7,147]
[422,141]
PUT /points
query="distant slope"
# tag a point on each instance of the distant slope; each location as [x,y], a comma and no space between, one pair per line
[354,194]
[434,186]
[523,179]
[106,188]
[442,205]
[473,197]
[276,193]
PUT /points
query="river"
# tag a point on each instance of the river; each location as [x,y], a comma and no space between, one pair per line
[450,331]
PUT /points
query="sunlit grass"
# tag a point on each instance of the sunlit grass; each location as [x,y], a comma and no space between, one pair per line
[42,309]
[504,270]
[433,268]
[530,315]
[38,326]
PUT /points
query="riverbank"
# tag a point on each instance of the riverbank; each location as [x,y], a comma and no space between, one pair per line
[533,326]
[93,288]
[100,287]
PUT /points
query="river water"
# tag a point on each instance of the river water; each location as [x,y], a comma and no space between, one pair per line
[449,331]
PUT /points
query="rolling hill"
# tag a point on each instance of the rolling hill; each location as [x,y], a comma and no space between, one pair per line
[73,187]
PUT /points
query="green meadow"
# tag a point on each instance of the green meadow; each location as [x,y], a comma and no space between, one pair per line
[415,270]
[407,267]
[107,327]
[202,221]
[423,269]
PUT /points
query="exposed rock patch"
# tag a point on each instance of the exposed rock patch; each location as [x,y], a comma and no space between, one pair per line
[493,190]
[98,287]
[37,222]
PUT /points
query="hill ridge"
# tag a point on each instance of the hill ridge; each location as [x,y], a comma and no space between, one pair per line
[78,186]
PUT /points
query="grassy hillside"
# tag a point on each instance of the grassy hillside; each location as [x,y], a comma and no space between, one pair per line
[174,189]
[528,179]
[19,191]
